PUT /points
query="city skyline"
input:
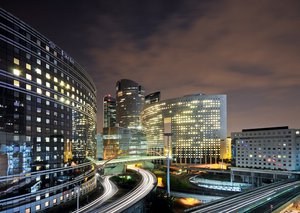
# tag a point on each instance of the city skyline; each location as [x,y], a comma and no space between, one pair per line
[247,50]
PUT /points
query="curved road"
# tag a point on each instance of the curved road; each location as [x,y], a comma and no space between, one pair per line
[146,185]
[110,189]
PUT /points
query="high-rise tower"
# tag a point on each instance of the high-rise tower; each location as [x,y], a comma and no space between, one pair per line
[129,103]
[109,111]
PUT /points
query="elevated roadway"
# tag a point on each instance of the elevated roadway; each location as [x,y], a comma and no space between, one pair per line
[248,201]
[126,160]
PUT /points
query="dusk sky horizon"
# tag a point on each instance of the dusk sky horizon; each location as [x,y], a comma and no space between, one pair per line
[249,50]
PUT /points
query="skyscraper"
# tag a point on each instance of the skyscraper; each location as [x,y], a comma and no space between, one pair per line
[46,100]
[109,111]
[129,102]
[198,124]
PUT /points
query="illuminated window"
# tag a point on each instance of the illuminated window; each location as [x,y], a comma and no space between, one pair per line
[39,81]
[47,204]
[27,210]
[48,84]
[38,71]
[55,79]
[54,201]
[28,77]
[38,129]
[16,72]
[47,48]
[48,93]
[16,61]
[48,76]
[38,90]
[62,83]
[28,66]
[55,88]
[47,66]
[38,61]
[16,83]
[28,86]
[37,207]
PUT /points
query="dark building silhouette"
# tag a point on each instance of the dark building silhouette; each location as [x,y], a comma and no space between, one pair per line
[152,98]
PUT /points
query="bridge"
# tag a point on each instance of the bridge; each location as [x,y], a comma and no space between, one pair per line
[125,160]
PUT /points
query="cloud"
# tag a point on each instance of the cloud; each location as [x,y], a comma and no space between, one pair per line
[230,47]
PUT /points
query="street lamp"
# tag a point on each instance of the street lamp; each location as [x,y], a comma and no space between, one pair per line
[169,146]
[77,188]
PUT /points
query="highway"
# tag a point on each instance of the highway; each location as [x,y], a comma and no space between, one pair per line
[252,198]
[110,189]
[146,185]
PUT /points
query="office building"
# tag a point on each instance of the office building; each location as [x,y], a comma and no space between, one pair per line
[46,100]
[152,98]
[198,124]
[109,111]
[119,141]
[99,146]
[129,101]
[115,141]
[275,148]
[225,149]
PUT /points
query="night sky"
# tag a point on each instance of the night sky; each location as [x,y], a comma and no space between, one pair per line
[249,50]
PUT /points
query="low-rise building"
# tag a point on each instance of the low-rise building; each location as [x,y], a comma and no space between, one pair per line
[276,148]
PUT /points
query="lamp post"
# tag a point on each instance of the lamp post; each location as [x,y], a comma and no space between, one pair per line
[169,146]
[78,195]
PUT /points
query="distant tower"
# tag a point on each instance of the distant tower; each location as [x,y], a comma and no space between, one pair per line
[129,103]
[109,111]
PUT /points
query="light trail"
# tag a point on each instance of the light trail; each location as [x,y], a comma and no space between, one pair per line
[246,199]
[110,189]
[146,185]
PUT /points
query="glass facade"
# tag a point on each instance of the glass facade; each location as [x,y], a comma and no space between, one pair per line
[198,124]
[109,111]
[46,100]
[130,101]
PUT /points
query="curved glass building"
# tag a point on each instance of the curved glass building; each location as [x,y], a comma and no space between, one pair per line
[198,123]
[46,100]
[129,101]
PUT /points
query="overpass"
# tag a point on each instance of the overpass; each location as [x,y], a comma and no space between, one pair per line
[126,160]
[263,199]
